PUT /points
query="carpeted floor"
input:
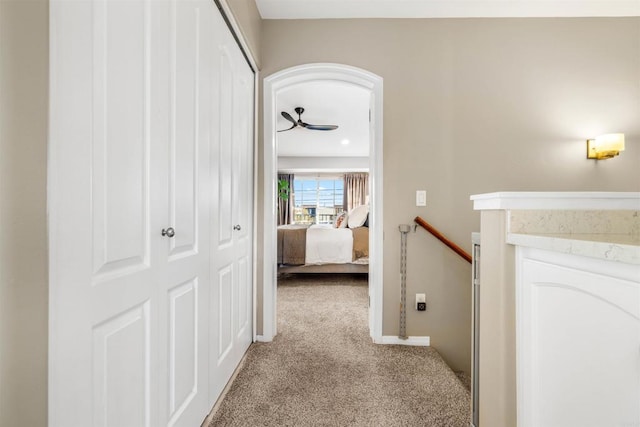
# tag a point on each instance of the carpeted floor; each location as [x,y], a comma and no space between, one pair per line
[323,370]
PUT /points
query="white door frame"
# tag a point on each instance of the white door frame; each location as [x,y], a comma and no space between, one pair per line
[273,85]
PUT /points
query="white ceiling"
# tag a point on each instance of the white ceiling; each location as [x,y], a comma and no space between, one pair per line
[319,9]
[324,103]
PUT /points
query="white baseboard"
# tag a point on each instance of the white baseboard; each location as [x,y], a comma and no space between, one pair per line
[416,341]
[262,338]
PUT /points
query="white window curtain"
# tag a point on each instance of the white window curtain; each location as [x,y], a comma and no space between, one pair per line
[356,190]
[285,207]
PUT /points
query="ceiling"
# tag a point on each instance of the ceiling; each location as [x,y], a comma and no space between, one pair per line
[321,9]
[325,103]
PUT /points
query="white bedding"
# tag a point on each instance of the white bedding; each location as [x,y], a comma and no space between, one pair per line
[328,245]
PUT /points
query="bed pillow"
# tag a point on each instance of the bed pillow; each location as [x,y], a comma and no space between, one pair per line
[340,221]
[358,216]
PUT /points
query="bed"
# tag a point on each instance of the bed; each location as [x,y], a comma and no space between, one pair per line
[323,249]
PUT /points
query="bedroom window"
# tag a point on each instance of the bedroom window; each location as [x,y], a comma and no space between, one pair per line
[317,200]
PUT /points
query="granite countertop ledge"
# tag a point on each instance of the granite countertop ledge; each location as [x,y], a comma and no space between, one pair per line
[623,248]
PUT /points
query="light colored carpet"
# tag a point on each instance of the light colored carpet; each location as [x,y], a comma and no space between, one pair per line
[323,370]
[464,379]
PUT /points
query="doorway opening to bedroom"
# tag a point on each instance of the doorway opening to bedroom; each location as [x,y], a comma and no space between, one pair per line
[323,222]
[323,175]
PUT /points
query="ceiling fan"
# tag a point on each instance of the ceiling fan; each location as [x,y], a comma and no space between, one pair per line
[299,122]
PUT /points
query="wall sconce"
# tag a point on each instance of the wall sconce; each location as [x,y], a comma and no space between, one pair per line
[605,146]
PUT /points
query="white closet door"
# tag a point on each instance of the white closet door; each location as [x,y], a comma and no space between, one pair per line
[183,280]
[105,240]
[131,96]
[231,226]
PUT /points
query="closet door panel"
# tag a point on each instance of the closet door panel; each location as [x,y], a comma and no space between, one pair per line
[243,314]
[103,251]
[122,392]
[223,221]
[225,147]
[183,346]
[225,313]
[185,133]
[120,137]
[186,271]
[232,197]
[243,201]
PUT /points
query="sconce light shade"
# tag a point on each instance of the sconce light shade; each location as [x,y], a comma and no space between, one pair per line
[605,146]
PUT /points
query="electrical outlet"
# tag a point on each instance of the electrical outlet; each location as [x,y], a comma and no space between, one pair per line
[421,302]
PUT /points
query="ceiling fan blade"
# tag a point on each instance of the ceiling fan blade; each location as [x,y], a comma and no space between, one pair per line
[299,122]
[284,130]
[288,117]
[321,127]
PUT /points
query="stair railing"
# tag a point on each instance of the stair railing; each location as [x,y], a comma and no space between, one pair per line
[438,235]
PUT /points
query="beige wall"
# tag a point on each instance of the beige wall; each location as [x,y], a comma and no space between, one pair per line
[24,38]
[248,18]
[474,106]
[497,370]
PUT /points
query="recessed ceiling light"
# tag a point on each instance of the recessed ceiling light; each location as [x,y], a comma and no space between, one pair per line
[344,142]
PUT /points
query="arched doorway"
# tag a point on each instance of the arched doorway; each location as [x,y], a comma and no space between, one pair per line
[273,85]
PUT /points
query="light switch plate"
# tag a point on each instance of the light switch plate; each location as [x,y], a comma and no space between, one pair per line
[421,198]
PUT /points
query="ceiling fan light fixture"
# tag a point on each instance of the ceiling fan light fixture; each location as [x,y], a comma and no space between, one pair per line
[300,123]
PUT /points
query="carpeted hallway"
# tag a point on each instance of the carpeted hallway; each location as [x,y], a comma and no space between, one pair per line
[323,370]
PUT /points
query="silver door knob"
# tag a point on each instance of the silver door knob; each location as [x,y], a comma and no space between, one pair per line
[237,227]
[169,232]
